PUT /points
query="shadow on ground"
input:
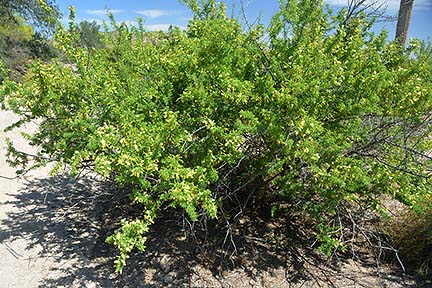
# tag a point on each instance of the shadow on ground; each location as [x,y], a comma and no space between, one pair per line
[70,220]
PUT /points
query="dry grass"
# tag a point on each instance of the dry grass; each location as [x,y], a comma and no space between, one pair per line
[411,234]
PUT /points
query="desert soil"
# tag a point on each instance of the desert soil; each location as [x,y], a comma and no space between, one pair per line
[52,231]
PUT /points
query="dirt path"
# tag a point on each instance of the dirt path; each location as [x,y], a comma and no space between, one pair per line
[23,262]
[45,233]
[52,232]
[22,266]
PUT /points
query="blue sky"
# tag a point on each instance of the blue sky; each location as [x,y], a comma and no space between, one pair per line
[159,15]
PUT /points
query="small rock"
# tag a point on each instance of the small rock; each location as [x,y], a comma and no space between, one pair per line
[197,250]
[164,263]
[168,279]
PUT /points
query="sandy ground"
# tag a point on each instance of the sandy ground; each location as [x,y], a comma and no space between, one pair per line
[23,264]
[41,245]
[52,232]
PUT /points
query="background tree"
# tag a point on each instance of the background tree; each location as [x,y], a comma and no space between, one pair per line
[404,19]
[372,9]
[39,13]
[89,34]
[18,41]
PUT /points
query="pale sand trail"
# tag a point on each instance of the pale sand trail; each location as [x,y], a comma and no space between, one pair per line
[20,267]
[22,263]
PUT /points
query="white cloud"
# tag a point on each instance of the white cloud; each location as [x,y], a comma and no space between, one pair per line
[162,27]
[155,13]
[186,18]
[423,4]
[130,23]
[103,12]
[391,5]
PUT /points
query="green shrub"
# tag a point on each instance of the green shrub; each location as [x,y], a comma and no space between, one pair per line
[313,109]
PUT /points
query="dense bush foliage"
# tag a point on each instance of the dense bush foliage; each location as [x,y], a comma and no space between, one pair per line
[313,110]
